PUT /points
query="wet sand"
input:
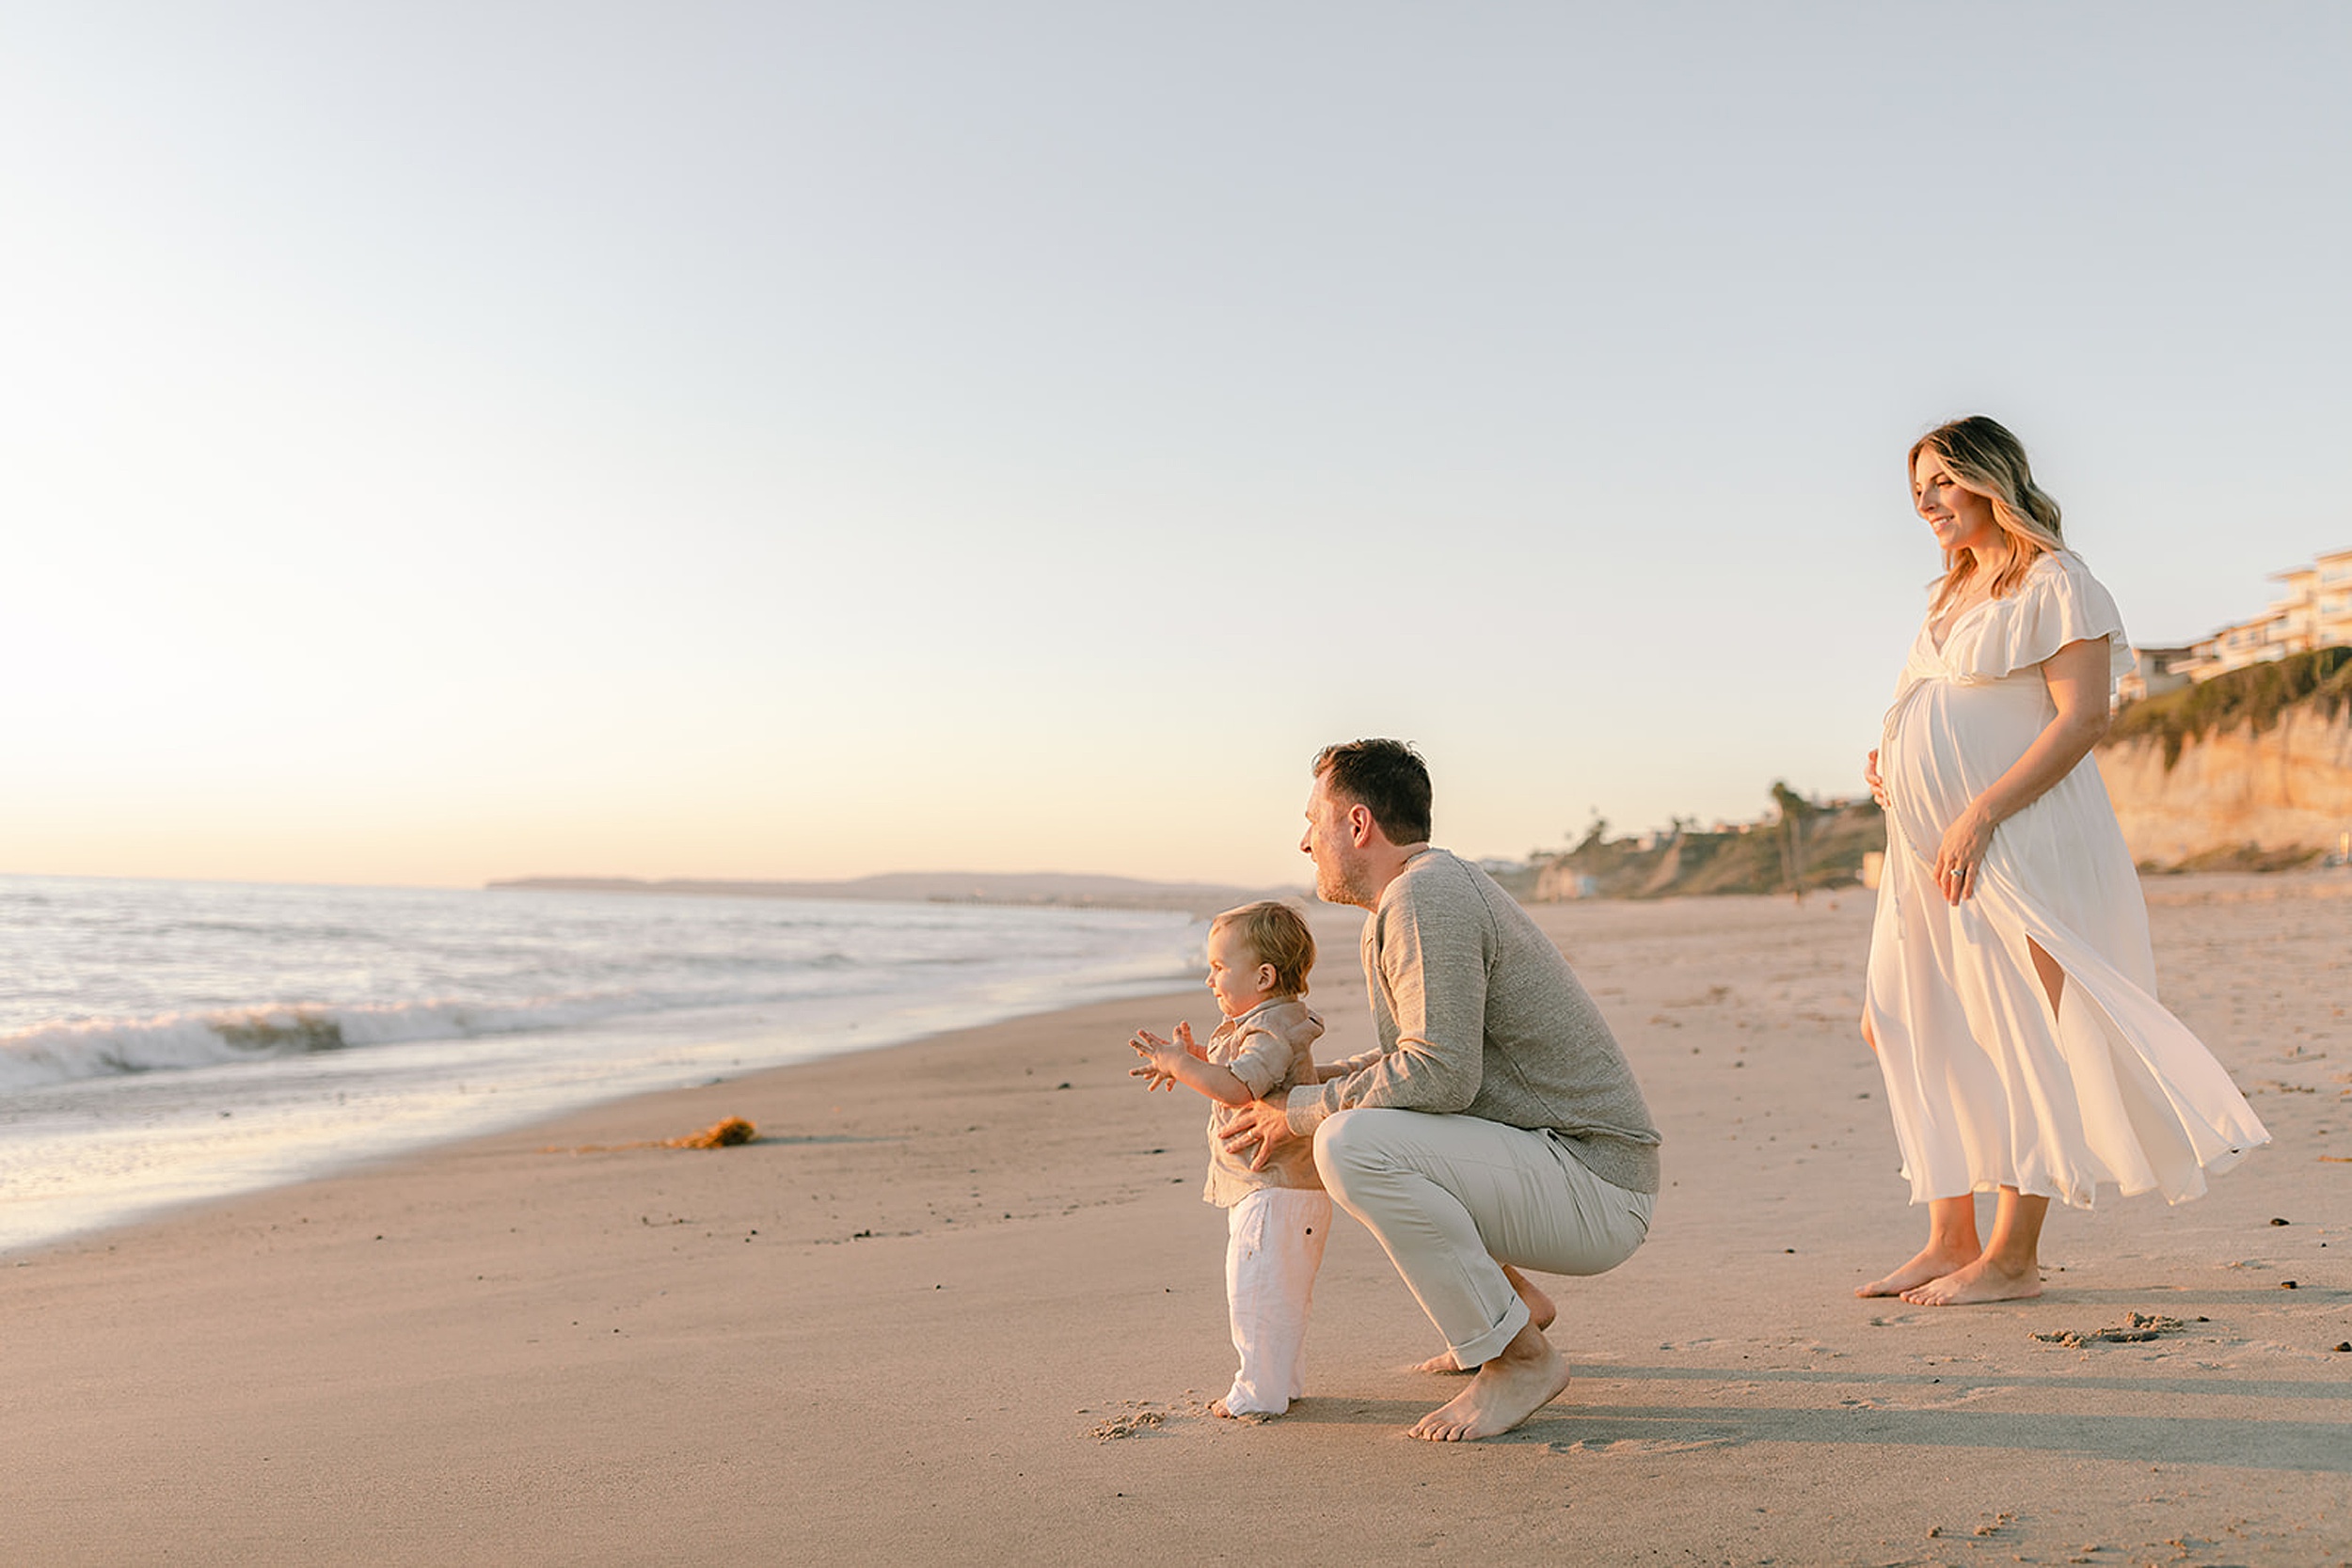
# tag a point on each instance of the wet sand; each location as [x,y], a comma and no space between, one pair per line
[962,1301]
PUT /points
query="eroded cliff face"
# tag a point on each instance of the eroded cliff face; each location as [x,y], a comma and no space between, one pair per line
[2288,788]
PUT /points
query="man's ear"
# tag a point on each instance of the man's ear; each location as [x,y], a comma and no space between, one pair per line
[1361,826]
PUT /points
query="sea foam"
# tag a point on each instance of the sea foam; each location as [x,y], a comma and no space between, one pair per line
[60,1053]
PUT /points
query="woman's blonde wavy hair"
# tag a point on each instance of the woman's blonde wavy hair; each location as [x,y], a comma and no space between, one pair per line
[1987,459]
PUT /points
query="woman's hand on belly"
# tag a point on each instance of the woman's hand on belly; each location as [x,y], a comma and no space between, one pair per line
[1870,777]
[2076,680]
[1961,855]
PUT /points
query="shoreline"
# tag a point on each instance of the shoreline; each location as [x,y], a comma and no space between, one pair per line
[310,1151]
[119,1115]
[950,1308]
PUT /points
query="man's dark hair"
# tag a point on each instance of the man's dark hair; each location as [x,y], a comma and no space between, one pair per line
[1387,778]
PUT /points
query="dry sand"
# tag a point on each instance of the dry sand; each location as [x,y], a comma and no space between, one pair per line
[911,1322]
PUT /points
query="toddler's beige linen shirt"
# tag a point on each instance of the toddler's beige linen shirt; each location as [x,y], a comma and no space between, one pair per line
[1270,1049]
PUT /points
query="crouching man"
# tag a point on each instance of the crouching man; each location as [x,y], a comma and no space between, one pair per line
[1496,1126]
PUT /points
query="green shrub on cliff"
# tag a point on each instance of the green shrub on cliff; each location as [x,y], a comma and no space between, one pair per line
[1803,845]
[2253,697]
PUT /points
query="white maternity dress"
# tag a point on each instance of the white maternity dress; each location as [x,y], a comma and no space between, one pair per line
[1988,1089]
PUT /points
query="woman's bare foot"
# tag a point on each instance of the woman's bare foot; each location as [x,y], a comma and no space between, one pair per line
[1933,1261]
[1526,1376]
[1541,1311]
[1983,1281]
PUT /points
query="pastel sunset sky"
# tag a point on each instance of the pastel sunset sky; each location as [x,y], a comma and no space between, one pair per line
[444,442]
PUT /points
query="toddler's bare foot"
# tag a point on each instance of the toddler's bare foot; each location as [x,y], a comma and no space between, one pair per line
[1541,1311]
[1527,1375]
[1981,1281]
[1933,1261]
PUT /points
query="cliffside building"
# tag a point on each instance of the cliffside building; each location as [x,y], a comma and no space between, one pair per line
[2315,611]
[2153,670]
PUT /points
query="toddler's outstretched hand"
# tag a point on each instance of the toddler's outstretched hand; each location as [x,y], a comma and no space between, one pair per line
[1155,1053]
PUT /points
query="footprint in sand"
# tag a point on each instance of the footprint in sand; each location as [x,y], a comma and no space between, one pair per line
[1939,1398]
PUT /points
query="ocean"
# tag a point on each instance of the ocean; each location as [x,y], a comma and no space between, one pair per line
[165,1042]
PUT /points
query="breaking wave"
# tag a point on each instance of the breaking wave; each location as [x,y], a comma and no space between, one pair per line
[98,1048]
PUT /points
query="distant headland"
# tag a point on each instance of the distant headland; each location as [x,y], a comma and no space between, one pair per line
[2248,770]
[1070,889]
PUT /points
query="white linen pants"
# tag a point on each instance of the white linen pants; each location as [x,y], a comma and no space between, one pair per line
[1274,1240]
[1454,1197]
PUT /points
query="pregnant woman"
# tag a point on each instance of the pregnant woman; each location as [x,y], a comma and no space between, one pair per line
[2011,990]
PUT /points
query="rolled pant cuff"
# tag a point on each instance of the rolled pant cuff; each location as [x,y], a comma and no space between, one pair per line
[1484,1348]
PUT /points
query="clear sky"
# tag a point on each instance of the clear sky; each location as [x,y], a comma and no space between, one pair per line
[452,440]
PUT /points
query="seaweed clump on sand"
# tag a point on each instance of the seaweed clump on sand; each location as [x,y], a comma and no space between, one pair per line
[726,1132]
[2135,1329]
[723,1134]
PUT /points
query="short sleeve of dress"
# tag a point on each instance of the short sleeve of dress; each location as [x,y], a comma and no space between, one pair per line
[2058,603]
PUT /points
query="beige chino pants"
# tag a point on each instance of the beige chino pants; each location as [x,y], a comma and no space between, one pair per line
[1454,1197]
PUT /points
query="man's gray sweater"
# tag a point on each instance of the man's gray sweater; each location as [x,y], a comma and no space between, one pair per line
[1479,1015]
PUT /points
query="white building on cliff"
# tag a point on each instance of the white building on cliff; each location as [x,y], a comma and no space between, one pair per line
[2315,611]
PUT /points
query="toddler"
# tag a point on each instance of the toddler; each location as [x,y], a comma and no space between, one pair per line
[1278,1218]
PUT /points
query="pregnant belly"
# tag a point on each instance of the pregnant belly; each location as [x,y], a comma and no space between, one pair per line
[1947,745]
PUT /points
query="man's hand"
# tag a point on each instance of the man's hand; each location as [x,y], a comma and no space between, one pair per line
[1264,1125]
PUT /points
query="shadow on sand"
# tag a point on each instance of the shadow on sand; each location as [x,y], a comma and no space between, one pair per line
[2236,1443]
[2318,1446]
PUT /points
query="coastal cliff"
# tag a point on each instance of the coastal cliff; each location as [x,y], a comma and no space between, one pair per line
[2250,770]
[1803,844]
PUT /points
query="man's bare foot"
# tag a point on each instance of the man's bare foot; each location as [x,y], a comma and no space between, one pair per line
[1933,1261]
[1526,1376]
[1217,1407]
[1981,1281]
[1541,1311]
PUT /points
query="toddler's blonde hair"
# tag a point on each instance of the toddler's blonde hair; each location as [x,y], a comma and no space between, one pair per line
[1278,935]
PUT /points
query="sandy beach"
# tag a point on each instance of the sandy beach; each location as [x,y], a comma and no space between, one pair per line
[962,1301]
